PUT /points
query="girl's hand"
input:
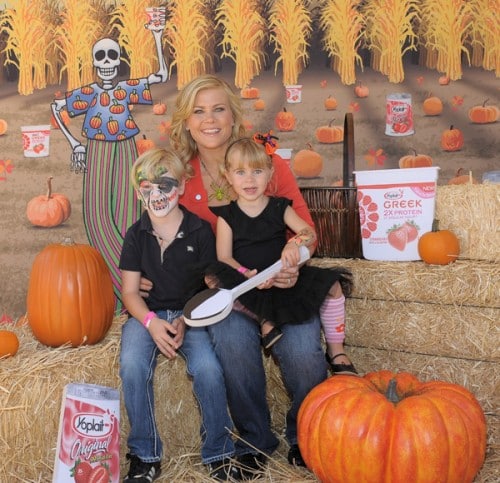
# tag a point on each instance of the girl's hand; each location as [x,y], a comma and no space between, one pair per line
[290,255]
[168,337]
[145,286]
[287,277]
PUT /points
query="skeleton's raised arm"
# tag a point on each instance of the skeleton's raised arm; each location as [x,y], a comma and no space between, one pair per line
[162,74]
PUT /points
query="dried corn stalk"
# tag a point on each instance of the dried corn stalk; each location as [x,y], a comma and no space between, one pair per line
[343,26]
[190,32]
[243,37]
[448,25]
[290,22]
[129,19]
[390,34]
[25,25]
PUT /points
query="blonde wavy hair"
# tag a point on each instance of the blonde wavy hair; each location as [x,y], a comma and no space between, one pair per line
[180,138]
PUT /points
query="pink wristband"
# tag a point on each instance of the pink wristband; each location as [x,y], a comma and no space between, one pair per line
[242,269]
[149,317]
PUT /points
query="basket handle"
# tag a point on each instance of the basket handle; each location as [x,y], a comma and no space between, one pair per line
[348,152]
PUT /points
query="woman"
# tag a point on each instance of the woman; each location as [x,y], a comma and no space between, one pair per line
[207,118]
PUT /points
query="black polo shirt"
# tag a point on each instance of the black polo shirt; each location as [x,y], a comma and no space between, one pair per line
[195,242]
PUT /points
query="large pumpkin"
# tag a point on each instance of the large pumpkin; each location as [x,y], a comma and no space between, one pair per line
[391,428]
[307,163]
[483,114]
[415,161]
[438,247]
[9,343]
[48,210]
[330,134]
[452,139]
[285,120]
[70,295]
[433,106]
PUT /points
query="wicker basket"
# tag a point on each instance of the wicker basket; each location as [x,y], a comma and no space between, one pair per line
[335,209]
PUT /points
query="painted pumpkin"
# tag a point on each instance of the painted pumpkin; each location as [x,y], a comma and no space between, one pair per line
[361,90]
[259,105]
[415,161]
[483,114]
[443,80]
[159,108]
[3,127]
[330,103]
[461,178]
[249,93]
[285,120]
[387,427]
[330,134]
[9,343]
[307,163]
[70,295]
[144,144]
[50,209]
[452,139]
[438,247]
[432,106]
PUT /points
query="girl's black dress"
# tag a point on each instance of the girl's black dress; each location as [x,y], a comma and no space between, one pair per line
[257,243]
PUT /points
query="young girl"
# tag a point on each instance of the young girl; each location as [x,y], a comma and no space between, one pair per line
[252,234]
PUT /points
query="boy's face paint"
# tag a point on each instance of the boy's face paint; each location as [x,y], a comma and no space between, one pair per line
[160,195]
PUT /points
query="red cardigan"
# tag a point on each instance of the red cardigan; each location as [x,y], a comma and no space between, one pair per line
[283,183]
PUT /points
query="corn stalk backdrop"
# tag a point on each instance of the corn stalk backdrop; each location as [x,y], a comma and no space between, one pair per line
[51,40]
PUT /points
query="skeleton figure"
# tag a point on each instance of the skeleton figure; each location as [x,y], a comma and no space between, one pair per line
[109,202]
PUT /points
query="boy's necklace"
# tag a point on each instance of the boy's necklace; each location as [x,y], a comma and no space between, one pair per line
[221,189]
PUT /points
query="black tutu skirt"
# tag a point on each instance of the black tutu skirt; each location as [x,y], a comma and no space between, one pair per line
[294,305]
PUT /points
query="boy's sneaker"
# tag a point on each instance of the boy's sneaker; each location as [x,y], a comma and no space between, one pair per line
[224,470]
[252,465]
[140,471]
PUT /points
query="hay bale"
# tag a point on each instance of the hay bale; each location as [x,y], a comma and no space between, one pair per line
[471,212]
[464,332]
[463,282]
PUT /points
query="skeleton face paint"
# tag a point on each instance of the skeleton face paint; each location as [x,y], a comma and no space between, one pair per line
[160,195]
[106,55]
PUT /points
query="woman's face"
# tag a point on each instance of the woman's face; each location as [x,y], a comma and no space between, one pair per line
[211,121]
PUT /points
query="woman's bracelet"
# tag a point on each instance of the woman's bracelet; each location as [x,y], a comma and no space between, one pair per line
[149,317]
[242,269]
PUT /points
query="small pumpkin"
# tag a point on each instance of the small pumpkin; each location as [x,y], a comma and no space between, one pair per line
[400,428]
[443,80]
[452,139]
[415,161]
[159,108]
[330,133]
[461,178]
[330,103]
[50,209]
[483,114]
[285,120]
[432,106]
[438,247]
[307,163]
[144,144]
[361,90]
[3,127]
[9,343]
[259,105]
[249,92]
[70,295]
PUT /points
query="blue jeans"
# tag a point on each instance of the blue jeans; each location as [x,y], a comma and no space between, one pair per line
[302,362]
[138,360]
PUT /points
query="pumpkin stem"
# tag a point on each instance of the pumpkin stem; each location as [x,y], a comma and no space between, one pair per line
[435,224]
[49,187]
[391,393]
[67,241]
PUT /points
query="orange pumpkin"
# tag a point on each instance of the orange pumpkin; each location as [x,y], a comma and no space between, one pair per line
[159,108]
[361,90]
[307,163]
[3,127]
[70,295]
[144,144]
[432,106]
[9,343]
[460,178]
[391,427]
[48,210]
[415,161]
[444,80]
[483,114]
[330,134]
[452,139]
[249,93]
[259,105]
[330,103]
[438,247]
[285,120]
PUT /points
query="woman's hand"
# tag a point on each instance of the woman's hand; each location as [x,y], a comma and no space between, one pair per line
[168,337]
[145,286]
[287,277]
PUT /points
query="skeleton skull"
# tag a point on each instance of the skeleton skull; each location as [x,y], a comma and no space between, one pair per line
[106,55]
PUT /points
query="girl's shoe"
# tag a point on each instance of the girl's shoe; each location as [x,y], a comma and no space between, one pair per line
[273,336]
[342,368]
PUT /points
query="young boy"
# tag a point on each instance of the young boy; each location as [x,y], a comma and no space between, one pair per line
[161,246]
